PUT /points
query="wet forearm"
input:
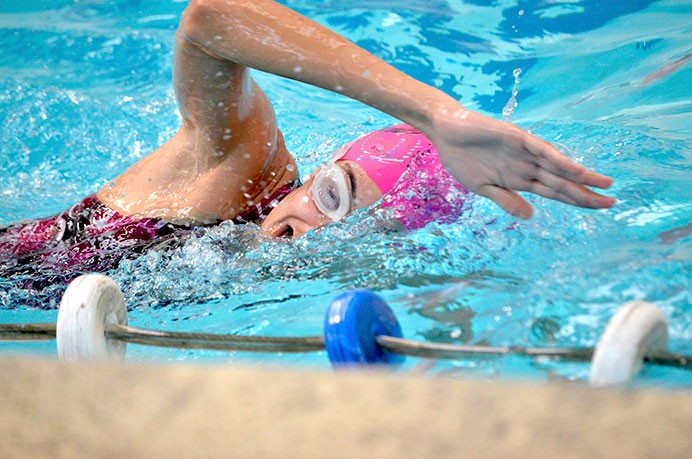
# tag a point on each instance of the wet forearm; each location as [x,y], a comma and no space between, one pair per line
[270,37]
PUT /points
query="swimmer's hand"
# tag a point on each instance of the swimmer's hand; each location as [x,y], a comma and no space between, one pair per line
[492,158]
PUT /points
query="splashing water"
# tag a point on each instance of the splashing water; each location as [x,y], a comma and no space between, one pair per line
[508,109]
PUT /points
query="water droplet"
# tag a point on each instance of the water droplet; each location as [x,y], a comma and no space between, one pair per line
[290,167]
[247,195]
[250,181]
[246,156]
[511,105]
[297,69]
[218,74]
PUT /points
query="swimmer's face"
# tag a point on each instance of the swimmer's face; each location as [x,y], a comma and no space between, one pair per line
[298,213]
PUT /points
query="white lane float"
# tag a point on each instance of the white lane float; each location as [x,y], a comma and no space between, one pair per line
[360,328]
[90,303]
[636,328]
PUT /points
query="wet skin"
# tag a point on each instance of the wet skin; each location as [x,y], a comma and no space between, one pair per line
[297,213]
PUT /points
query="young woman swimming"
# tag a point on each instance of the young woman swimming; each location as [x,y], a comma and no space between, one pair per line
[228,160]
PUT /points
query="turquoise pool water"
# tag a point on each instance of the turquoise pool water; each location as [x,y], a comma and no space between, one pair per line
[85,90]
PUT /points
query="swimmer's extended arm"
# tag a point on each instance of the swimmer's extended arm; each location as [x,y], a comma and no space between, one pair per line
[488,156]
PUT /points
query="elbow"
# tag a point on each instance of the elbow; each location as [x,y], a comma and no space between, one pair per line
[201,18]
[196,19]
[200,9]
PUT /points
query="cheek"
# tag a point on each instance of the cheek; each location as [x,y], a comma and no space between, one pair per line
[300,206]
[308,205]
[287,208]
[300,202]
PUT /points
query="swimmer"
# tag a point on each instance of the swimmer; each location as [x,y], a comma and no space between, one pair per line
[228,160]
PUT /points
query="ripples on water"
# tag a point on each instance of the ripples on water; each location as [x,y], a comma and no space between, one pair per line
[85,90]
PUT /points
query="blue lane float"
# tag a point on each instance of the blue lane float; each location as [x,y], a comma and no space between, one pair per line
[353,321]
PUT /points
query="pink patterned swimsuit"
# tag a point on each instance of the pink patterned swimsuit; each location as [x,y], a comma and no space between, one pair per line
[88,237]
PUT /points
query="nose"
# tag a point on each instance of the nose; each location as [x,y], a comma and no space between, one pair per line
[299,227]
[294,216]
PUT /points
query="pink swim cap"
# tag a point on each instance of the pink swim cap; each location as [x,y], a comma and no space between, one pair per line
[385,154]
[406,168]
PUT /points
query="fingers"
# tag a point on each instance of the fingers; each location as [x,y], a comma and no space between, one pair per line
[510,201]
[584,176]
[552,186]
[550,158]
[594,179]
[549,186]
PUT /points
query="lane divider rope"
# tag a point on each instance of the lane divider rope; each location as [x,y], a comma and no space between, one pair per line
[359,328]
[182,340]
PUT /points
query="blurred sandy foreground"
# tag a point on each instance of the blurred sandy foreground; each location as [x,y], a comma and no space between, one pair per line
[51,409]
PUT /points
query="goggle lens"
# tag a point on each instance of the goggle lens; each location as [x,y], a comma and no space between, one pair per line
[330,191]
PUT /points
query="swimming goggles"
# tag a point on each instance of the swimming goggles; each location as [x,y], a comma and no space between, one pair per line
[331,191]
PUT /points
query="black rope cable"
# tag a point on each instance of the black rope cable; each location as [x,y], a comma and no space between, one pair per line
[184,340]
[456,351]
[211,341]
[27,332]
[669,359]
